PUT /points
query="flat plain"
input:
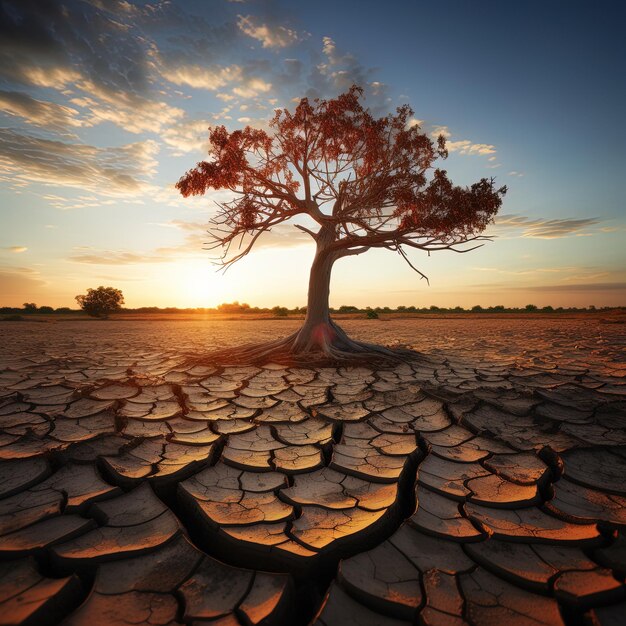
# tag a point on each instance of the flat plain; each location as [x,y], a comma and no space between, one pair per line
[483,482]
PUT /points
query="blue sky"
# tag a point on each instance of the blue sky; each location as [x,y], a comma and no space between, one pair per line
[104,104]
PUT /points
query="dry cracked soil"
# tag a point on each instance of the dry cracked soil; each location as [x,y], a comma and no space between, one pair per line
[482,483]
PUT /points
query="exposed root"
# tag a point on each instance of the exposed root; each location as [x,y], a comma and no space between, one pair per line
[324,344]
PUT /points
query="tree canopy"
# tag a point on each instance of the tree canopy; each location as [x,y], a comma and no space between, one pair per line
[101,302]
[371,181]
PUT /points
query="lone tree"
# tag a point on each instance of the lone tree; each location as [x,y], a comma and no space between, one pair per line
[101,302]
[362,182]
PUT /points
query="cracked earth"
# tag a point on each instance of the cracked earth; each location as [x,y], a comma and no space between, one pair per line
[482,483]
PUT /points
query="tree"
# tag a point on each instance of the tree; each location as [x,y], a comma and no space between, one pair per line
[360,183]
[29,307]
[101,302]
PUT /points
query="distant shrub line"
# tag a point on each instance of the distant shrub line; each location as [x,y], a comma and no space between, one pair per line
[281,311]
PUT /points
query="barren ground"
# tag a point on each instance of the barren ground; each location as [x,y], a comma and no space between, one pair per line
[482,483]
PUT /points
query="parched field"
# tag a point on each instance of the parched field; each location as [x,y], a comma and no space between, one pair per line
[483,482]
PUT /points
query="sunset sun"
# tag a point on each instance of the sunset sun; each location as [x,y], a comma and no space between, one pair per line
[195,283]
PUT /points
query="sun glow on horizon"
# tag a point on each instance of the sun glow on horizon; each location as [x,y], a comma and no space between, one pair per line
[193,283]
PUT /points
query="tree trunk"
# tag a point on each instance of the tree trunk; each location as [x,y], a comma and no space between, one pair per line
[320,341]
[318,330]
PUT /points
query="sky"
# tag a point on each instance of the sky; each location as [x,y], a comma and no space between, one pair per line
[104,104]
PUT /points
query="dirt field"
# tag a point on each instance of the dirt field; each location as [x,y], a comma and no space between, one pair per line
[480,483]
[597,342]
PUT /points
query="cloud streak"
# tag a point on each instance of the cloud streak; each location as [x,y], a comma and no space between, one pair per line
[542,228]
[40,113]
[119,171]
[193,245]
[580,287]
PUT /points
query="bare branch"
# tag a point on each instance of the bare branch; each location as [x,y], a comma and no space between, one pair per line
[406,258]
[352,252]
[306,230]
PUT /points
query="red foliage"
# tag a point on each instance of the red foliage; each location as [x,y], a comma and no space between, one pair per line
[368,182]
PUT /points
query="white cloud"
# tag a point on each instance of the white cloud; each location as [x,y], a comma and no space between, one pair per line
[269,36]
[188,136]
[54,77]
[217,77]
[329,49]
[463,146]
[252,87]
[133,113]
[441,130]
[211,78]
[467,147]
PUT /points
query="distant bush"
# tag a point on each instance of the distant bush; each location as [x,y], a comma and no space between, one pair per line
[233,307]
[280,311]
[477,308]
[30,307]
[531,307]
[371,315]
[12,318]
[344,308]
[45,309]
